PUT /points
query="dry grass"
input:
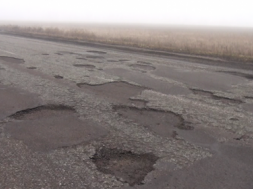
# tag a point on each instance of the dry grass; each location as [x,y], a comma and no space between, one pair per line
[229,43]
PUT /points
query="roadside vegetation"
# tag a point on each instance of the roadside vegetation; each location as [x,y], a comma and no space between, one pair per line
[227,43]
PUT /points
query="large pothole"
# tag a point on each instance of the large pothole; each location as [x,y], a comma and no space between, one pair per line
[119,92]
[161,122]
[126,165]
[49,127]
[11,59]
[42,111]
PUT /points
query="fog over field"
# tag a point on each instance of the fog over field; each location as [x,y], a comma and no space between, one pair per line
[160,12]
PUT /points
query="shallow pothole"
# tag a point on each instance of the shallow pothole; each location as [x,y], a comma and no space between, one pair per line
[126,165]
[11,59]
[209,94]
[123,60]
[32,68]
[94,57]
[89,66]
[81,58]
[97,52]
[116,91]
[245,75]
[58,77]
[162,123]
[142,62]
[45,54]
[143,67]
[42,111]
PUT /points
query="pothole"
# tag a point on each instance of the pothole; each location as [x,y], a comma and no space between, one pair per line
[245,75]
[161,122]
[81,58]
[138,102]
[116,91]
[112,60]
[58,77]
[94,57]
[42,111]
[67,53]
[89,66]
[249,97]
[31,68]
[11,60]
[143,67]
[50,127]
[142,62]
[45,54]
[97,52]
[209,94]
[123,60]
[126,165]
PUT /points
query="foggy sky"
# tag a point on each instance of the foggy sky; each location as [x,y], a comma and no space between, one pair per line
[179,12]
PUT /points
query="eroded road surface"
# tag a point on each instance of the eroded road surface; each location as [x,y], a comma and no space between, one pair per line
[82,117]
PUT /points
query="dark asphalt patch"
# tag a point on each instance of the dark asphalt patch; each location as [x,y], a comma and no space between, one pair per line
[209,94]
[162,123]
[97,52]
[11,60]
[143,67]
[126,165]
[89,66]
[118,92]
[42,111]
[58,77]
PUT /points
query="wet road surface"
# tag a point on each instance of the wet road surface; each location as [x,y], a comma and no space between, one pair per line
[74,116]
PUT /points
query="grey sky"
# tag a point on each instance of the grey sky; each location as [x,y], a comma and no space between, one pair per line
[181,12]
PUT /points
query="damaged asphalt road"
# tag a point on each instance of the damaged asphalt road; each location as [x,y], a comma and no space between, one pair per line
[81,117]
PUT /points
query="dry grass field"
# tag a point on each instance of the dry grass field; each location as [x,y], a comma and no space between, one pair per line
[228,43]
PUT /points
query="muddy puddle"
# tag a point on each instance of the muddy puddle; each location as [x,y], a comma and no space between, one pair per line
[126,165]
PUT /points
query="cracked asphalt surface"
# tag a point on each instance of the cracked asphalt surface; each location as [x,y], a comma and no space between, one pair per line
[161,122]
